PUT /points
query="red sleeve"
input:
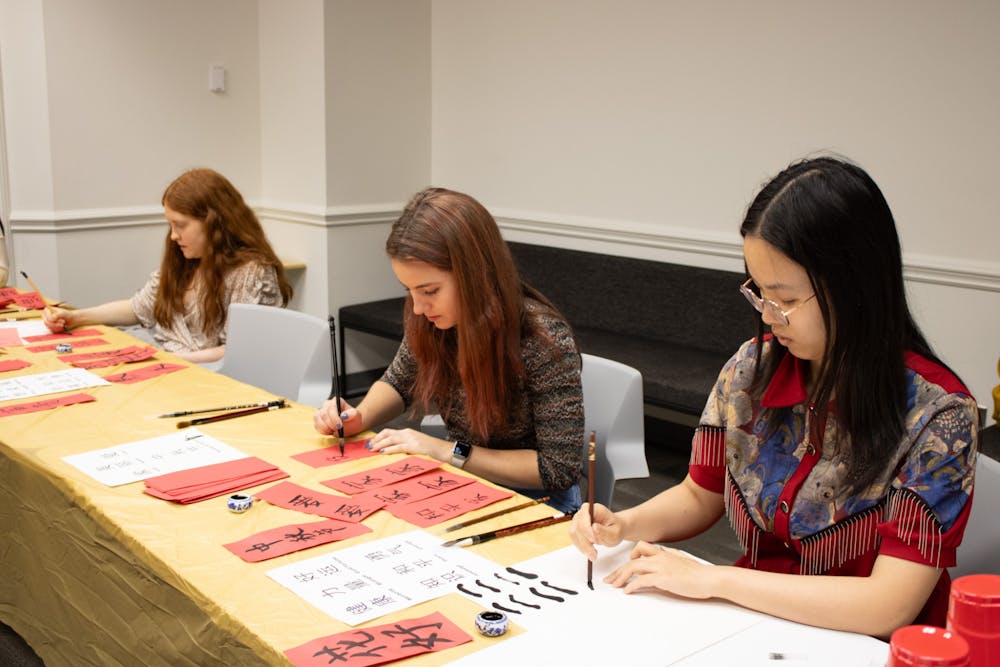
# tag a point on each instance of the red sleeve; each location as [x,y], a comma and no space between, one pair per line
[708,458]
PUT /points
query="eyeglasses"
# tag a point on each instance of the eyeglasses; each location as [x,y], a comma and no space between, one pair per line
[768,307]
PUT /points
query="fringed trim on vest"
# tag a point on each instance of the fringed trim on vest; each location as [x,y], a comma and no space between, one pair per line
[708,447]
[846,540]
[916,521]
[746,529]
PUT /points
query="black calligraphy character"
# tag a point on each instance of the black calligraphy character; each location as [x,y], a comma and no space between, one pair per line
[543,595]
[404,469]
[413,637]
[561,590]
[262,546]
[526,604]
[335,656]
[438,483]
[350,510]
[300,536]
[395,497]
[369,652]
[526,575]
[304,501]
[468,592]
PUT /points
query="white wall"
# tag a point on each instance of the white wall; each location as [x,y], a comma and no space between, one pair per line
[639,128]
[644,128]
[105,103]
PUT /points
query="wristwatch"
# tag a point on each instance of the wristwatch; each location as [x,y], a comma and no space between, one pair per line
[460,454]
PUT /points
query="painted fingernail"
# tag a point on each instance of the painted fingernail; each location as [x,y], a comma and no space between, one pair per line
[343,415]
[368,444]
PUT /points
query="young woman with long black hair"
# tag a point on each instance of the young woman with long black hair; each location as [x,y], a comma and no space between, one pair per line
[838,444]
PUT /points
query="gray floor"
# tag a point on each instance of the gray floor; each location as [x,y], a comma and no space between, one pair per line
[667,447]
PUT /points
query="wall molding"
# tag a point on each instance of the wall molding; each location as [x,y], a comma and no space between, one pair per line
[623,237]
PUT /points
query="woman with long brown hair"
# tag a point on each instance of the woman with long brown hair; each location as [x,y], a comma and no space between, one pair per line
[487,351]
[215,253]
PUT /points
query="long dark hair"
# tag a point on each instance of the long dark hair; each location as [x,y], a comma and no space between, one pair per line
[234,236]
[482,352]
[830,217]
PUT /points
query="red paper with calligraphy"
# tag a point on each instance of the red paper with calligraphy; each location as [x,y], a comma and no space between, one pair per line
[417,488]
[29,300]
[295,497]
[47,404]
[375,478]
[327,456]
[294,537]
[381,644]
[125,355]
[144,373]
[81,333]
[445,506]
[86,342]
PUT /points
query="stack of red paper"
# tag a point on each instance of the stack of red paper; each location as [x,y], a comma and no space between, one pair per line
[191,486]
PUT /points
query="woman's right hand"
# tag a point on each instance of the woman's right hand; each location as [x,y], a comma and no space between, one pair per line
[58,320]
[331,417]
[606,530]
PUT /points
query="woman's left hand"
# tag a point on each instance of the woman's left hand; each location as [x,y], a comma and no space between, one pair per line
[411,441]
[670,570]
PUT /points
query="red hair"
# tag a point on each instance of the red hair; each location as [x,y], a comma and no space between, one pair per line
[234,237]
[482,352]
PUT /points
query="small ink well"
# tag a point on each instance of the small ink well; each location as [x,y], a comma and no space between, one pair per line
[492,623]
[239,503]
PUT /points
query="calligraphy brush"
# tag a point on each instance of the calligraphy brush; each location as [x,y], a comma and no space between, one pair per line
[504,532]
[335,389]
[493,515]
[229,415]
[35,287]
[591,473]
[185,413]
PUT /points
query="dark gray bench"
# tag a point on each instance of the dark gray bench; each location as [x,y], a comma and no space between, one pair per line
[676,324]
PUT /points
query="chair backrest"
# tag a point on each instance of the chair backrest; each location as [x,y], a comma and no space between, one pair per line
[612,405]
[979,552]
[283,351]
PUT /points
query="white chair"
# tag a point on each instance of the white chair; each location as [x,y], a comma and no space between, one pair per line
[979,552]
[612,406]
[285,352]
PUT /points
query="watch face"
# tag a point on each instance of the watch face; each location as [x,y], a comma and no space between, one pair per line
[462,449]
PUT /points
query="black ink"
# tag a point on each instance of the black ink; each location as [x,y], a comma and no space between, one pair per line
[495,590]
[526,575]
[509,581]
[503,608]
[468,592]
[543,595]
[561,590]
[524,604]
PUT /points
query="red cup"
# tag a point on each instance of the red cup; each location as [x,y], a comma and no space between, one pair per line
[974,613]
[927,646]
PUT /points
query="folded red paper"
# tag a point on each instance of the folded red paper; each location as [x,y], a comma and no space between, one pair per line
[211,481]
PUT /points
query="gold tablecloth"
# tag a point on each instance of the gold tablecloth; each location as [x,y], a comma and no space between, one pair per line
[98,575]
